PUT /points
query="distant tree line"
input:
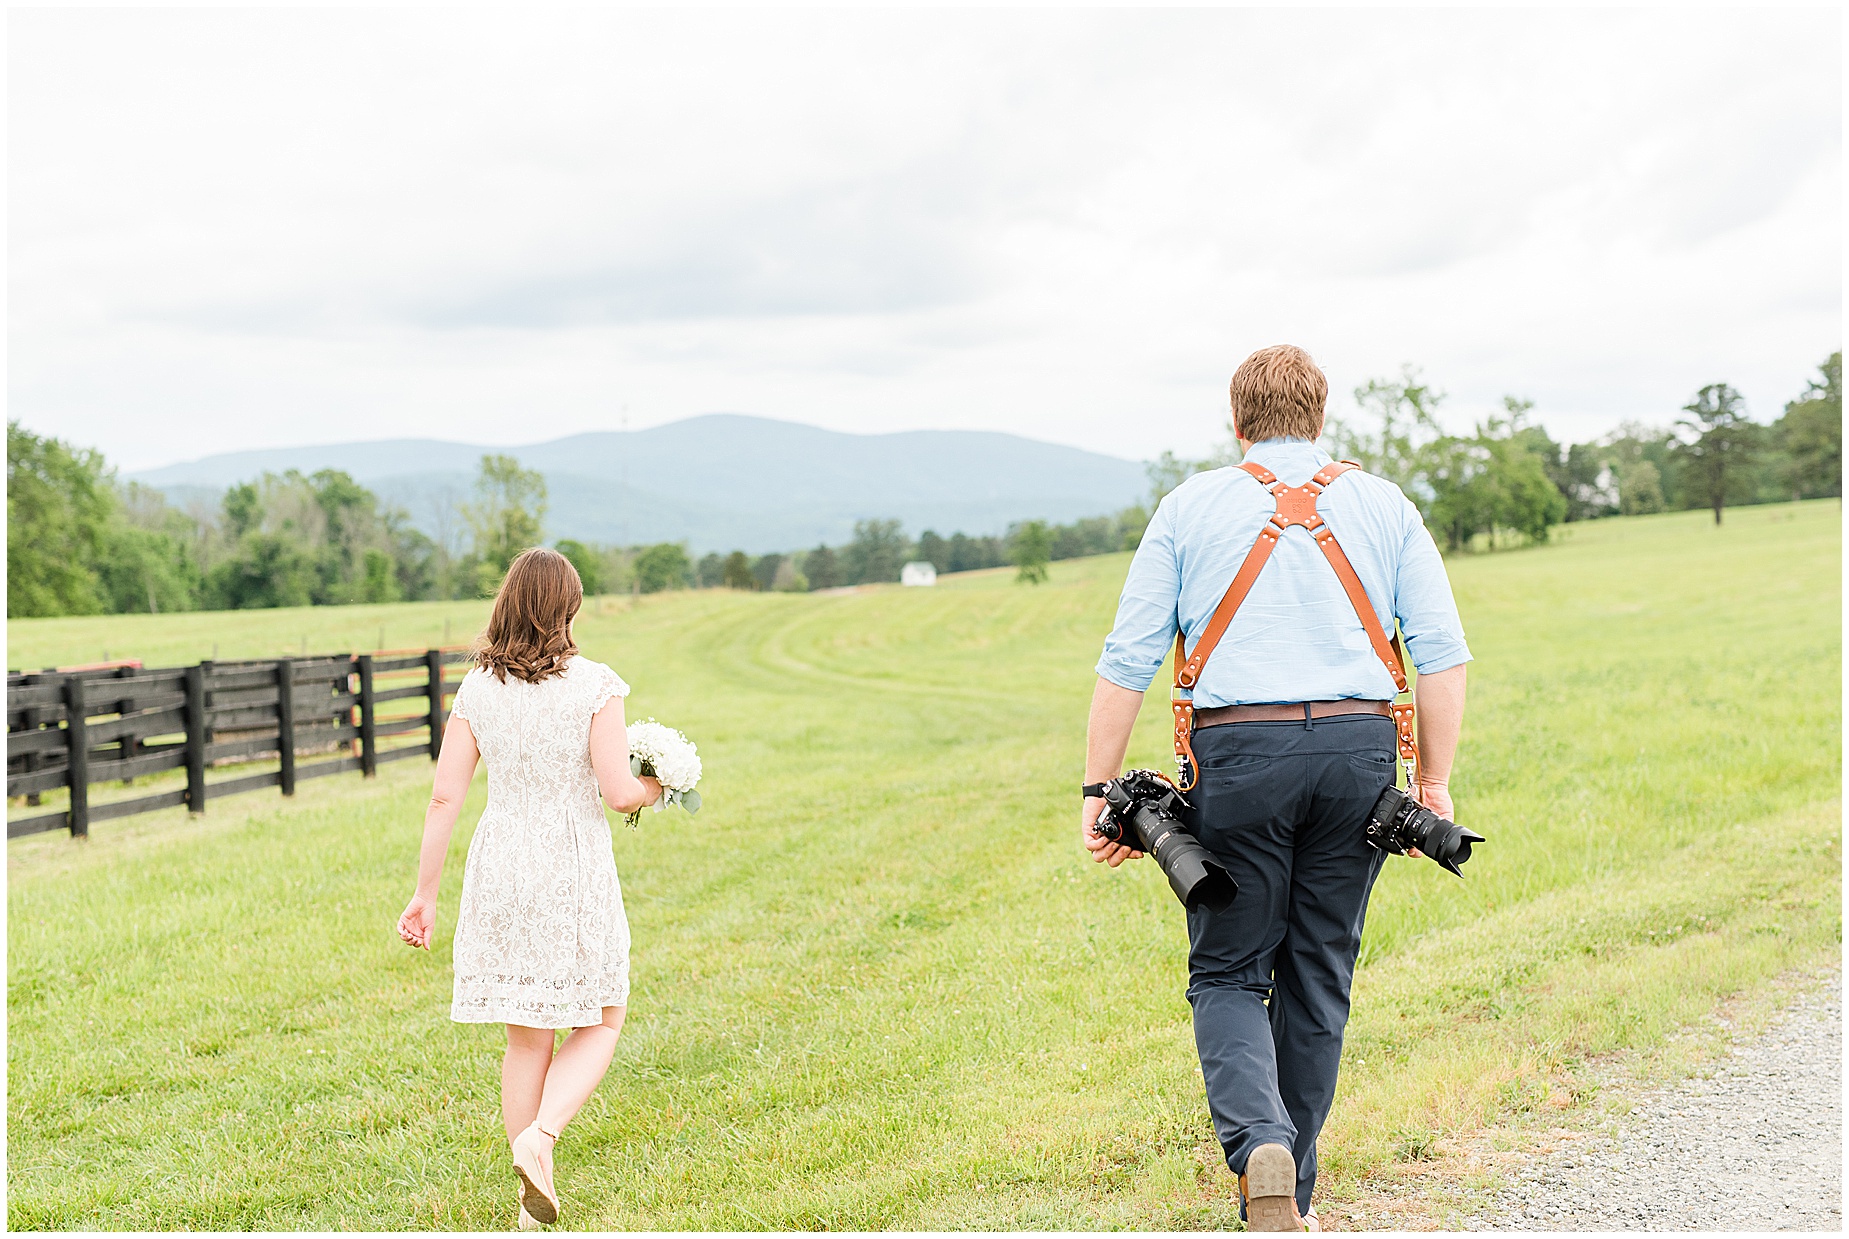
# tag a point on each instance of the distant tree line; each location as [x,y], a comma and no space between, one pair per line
[881,548]
[1507,482]
[80,542]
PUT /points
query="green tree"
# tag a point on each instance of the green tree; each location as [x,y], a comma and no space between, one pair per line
[738,572]
[59,505]
[789,578]
[350,537]
[147,562]
[1404,410]
[933,550]
[616,570]
[1495,480]
[417,560]
[663,566]
[764,571]
[711,571]
[1640,488]
[1165,473]
[146,570]
[969,553]
[1810,435]
[821,568]
[587,561]
[876,553]
[1723,444]
[1032,546]
[265,570]
[378,582]
[509,511]
[243,509]
[1629,448]
[1131,524]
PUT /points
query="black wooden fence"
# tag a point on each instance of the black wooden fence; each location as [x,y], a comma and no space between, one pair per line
[75,729]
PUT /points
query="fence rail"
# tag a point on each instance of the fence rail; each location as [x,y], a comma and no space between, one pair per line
[75,728]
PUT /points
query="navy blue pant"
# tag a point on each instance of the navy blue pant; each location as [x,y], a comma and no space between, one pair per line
[1283,806]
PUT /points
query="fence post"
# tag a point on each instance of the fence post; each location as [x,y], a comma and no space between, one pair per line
[131,743]
[195,738]
[78,771]
[369,743]
[285,722]
[433,660]
[34,759]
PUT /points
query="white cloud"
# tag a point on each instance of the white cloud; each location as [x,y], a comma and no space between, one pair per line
[241,228]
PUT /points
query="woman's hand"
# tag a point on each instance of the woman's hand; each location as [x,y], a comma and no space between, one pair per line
[622,791]
[419,919]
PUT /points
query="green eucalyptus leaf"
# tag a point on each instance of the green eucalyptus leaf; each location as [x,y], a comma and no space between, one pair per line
[635,765]
[690,800]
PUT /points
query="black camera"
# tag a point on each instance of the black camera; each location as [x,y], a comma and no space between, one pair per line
[1398,824]
[1143,811]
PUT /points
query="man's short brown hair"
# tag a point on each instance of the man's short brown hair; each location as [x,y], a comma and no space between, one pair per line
[1277,392]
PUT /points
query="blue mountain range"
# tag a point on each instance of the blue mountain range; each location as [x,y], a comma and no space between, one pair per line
[721,482]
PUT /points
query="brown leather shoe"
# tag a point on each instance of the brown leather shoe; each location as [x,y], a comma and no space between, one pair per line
[1269,1186]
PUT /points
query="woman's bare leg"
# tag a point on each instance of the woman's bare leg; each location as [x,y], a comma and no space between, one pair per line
[576,1071]
[523,1076]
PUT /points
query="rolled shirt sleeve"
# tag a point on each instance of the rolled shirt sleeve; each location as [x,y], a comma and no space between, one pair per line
[1423,602]
[1147,610]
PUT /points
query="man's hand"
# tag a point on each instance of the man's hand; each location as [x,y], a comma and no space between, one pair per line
[1102,849]
[1435,796]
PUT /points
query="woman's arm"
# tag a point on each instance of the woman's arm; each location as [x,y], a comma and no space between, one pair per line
[455,770]
[621,790]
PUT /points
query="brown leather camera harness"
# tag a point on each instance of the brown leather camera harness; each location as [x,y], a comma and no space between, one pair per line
[1296,505]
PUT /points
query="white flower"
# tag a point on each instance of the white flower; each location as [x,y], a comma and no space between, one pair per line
[665,753]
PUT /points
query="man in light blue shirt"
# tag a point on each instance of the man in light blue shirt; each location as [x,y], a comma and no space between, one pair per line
[1296,637]
[1293,741]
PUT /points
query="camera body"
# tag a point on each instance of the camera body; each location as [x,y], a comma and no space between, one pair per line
[1145,811]
[1399,824]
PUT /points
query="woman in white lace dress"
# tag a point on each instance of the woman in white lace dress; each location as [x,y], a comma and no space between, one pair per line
[541,940]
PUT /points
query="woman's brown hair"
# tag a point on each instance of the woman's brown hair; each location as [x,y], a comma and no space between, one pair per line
[529,630]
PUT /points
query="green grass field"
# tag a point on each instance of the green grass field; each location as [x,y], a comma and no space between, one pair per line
[876,983]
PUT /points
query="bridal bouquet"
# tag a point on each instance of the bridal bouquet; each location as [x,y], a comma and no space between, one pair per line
[665,754]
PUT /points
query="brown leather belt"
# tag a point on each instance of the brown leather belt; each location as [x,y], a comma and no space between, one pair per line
[1285,712]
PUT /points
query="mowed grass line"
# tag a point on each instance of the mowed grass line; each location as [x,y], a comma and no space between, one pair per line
[876,985]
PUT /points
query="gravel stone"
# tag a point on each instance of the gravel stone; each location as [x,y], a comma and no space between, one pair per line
[1757,1146]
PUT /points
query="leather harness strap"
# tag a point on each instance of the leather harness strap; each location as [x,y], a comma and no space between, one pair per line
[1296,505]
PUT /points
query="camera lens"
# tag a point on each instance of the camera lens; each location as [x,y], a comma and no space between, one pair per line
[1439,838]
[1197,879]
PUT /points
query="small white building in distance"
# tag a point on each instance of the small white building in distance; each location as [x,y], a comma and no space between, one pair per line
[921,573]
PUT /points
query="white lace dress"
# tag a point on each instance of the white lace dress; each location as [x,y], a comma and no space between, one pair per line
[541,939]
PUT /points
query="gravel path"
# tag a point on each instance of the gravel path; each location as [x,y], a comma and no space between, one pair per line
[1756,1146]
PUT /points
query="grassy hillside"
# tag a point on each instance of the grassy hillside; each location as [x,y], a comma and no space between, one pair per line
[876,985]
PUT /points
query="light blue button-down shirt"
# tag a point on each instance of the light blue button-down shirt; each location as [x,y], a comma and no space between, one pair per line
[1296,637]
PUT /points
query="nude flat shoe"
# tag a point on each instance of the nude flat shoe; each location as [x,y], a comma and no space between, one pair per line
[1270,1188]
[537,1199]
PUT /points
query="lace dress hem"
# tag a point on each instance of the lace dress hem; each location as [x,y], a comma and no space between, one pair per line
[538,1004]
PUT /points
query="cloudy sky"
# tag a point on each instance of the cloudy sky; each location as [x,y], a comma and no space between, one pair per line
[256,228]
